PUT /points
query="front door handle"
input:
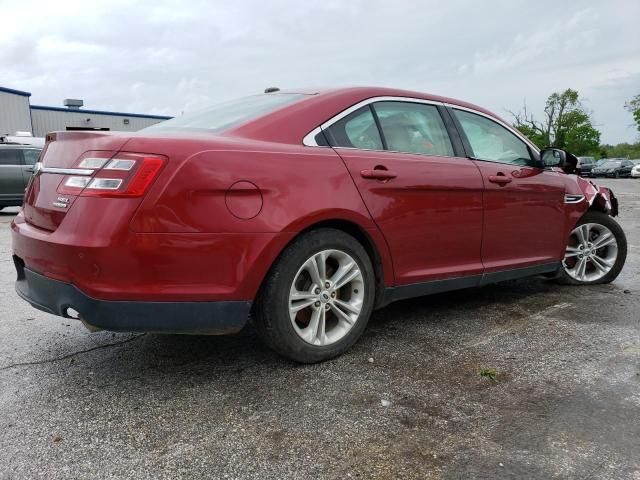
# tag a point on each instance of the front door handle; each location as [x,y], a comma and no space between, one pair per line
[500,179]
[378,174]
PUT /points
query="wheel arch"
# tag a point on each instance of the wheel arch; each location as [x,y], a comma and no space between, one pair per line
[370,238]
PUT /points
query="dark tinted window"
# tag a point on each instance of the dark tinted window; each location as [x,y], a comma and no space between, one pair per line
[491,141]
[10,156]
[356,130]
[413,128]
[321,140]
[31,156]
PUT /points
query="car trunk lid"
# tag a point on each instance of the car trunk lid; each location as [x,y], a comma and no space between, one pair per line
[44,207]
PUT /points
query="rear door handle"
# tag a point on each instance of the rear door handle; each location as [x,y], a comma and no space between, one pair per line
[500,179]
[378,174]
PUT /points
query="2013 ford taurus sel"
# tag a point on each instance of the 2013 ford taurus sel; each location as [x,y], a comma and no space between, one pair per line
[305,211]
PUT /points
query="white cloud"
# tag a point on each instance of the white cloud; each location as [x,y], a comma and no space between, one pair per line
[166,57]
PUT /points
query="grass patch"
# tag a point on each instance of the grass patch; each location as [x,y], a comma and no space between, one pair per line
[489,373]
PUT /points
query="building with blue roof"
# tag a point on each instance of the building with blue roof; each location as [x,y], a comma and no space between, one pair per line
[18,115]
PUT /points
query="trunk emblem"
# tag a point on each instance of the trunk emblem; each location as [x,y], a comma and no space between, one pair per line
[61,202]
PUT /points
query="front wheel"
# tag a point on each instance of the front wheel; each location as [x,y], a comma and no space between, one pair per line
[596,251]
[317,298]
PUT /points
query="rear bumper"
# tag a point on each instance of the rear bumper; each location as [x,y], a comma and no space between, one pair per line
[206,318]
[116,264]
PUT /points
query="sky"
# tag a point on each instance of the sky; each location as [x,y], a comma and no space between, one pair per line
[168,57]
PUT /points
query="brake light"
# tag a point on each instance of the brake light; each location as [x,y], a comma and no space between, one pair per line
[144,176]
[122,175]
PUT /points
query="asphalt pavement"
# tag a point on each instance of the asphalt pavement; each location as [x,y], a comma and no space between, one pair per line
[525,379]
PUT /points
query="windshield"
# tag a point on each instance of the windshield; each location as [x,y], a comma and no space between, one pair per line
[225,115]
[611,164]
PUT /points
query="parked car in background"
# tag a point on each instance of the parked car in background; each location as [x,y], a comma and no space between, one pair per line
[635,171]
[304,211]
[23,138]
[585,165]
[16,163]
[600,162]
[613,168]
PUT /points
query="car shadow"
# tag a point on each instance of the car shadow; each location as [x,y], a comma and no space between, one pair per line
[435,320]
[173,353]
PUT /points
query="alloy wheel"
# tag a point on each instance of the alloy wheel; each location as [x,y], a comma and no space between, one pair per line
[326,297]
[591,253]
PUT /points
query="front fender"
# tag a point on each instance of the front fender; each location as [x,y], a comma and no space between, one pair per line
[599,198]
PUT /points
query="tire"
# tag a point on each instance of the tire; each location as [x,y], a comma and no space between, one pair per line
[293,334]
[600,224]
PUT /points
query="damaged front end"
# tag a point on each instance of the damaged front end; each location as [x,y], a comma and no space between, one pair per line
[599,198]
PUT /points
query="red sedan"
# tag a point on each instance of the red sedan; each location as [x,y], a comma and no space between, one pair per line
[304,210]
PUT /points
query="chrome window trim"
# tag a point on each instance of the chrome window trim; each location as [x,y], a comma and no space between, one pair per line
[499,122]
[309,138]
[393,151]
[310,141]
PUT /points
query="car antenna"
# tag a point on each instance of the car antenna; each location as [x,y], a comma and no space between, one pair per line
[271,89]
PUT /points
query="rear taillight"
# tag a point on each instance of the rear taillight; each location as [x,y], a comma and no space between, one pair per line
[122,175]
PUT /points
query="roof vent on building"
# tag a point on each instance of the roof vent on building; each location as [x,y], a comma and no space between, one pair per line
[73,104]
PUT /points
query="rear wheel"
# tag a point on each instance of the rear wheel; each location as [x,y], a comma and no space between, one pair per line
[596,251]
[318,297]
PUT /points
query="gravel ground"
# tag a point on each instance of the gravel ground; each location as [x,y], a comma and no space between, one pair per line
[408,401]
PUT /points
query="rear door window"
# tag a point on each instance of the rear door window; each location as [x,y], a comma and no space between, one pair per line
[31,156]
[10,156]
[356,130]
[411,127]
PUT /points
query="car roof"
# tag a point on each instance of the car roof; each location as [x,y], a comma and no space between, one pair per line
[18,145]
[369,92]
[292,122]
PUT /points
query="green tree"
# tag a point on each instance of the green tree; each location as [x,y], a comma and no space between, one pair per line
[633,106]
[578,134]
[621,150]
[566,124]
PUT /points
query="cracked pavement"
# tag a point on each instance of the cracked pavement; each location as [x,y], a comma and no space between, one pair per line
[565,402]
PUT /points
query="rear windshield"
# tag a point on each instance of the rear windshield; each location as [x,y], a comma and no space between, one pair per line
[226,115]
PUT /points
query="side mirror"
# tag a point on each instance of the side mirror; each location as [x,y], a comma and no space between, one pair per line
[553,157]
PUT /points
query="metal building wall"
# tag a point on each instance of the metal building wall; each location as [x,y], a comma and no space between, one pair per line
[49,119]
[14,112]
